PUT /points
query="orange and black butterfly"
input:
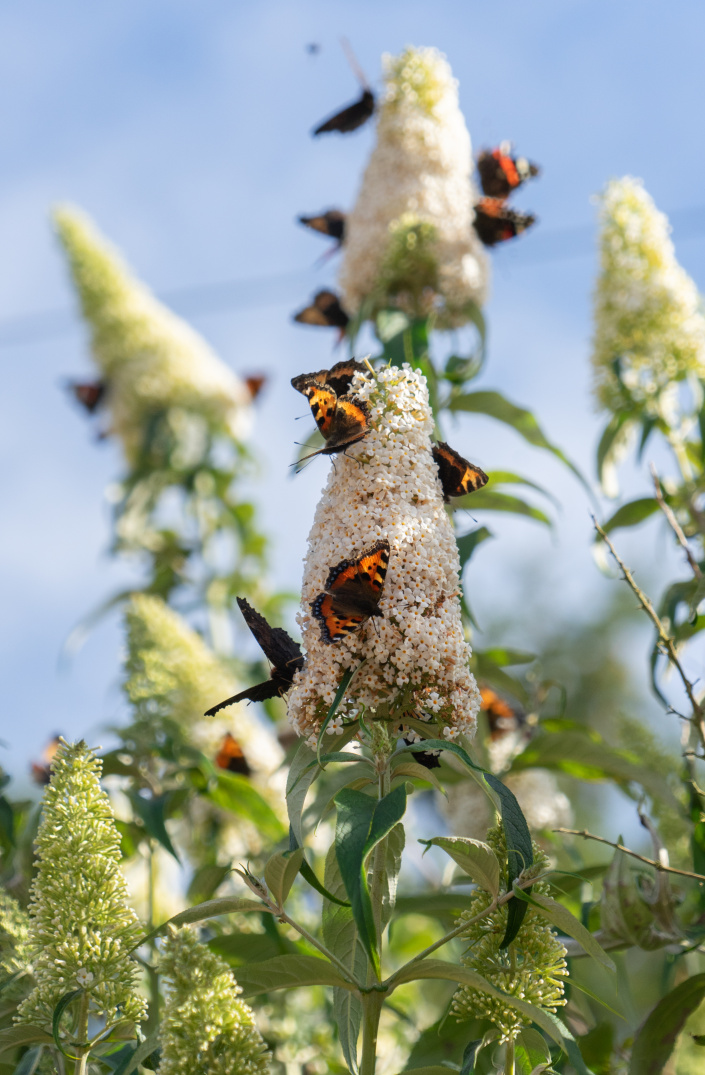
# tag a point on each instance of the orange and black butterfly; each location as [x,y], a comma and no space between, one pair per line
[342,420]
[230,756]
[351,117]
[90,394]
[495,223]
[255,383]
[352,593]
[501,173]
[280,650]
[457,476]
[41,770]
[338,377]
[502,718]
[325,310]
[330,223]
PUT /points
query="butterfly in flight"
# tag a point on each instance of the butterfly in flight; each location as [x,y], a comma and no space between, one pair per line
[255,383]
[325,310]
[457,476]
[501,173]
[230,756]
[495,223]
[502,718]
[352,593]
[338,377]
[279,648]
[41,770]
[90,394]
[351,117]
[330,223]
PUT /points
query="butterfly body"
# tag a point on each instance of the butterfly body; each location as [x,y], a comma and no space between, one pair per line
[279,648]
[231,756]
[458,477]
[495,223]
[342,420]
[325,311]
[352,593]
[330,223]
[501,173]
[90,394]
[351,117]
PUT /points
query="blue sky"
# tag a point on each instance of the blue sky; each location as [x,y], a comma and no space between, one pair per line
[183,129]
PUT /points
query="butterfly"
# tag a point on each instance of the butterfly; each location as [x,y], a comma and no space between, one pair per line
[342,420]
[325,310]
[430,759]
[351,117]
[501,173]
[457,476]
[230,756]
[495,223]
[338,377]
[502,717]
[90,394]
[352,593]
[331,223]
[279,648]
[255,383]
[41,770]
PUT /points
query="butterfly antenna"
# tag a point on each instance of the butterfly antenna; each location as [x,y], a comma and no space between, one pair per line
[352,60]
[327,256]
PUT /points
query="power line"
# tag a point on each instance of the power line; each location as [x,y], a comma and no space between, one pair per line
[555,244]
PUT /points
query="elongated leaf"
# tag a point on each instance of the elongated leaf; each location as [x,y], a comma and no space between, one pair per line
[205,881]
[508,477]
[59,1010]
[611,438]
[393,848]
[468,543]
[237,948]
[494,500]
[520,854]
[476,859]
[280,873]
[30,1061]
[151,814]
[446,906]
[531,1052]
[657,1036]
[297,786]
[237,795]
[567,923]
[339,695]
[341,938]
[631,514]
[288,972]
[502,655]
[16,1036]
[418,772]
[203,911]
[139,1055]
[432,1069]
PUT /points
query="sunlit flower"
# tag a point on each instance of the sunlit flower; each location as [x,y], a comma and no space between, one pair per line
[409,239]
[81,929]
[151,360]
[533,968]
[205,1027]
[14,946]
[387,486]
[649,327]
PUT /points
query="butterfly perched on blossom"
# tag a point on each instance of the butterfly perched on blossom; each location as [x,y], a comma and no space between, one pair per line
[280,650]
[502,717]
[352,592]
[330,223]
[495,223]
[41,770]
[501,173]
[325,310]
[338,377]
[90,394]
[230,756]
[342,420]
[351,117]
[457,476]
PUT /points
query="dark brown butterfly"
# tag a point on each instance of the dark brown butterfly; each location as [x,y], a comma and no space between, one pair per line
[430,759]
[255,383]
[230,756]
[331,223]
[325,310]
[457,476]
[351,117]
[41,770]
[338,377]
[90,394]
[495,223]
[343,421]
[280,650]
[501,173]
[352,593]
[502,718]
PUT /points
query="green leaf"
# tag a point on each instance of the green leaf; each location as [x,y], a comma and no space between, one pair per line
[288,972]
[7,821]
[30,1061]
[493,500]
[508,477]
[496,406]
[299,780]
[655,1041]
[150,811]
[502,656]
[59,1010]
[611,439]
[393,848]
[16,1036]
[280,873]
[308,874]
[139,1055]
[446,906]
[203,911]
[559,916]
[417,772]
[237,948]
[531,1051]
[339,695]
[467,543]
[631,514]
[341,938]
[236,794]
[520,853]
[206,881]
[362,822]
[476,859]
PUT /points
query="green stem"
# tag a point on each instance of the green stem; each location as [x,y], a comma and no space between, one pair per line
[345,971]
[371,1012]
[509,1058]
[82,1035]
[152,975]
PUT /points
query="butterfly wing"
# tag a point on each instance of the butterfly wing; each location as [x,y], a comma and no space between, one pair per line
[340,376]
[495,223]
[323,402]
[259,693]
[277,644]
[330,223]
[458,477]
[231,756]
[351,117]
[90,394]
[352,593]
[325,310]
[349,423]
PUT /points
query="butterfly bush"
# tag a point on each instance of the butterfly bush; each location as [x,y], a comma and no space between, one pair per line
[14,947]
[649,327]
[81,929]
[205,1027]
[409,239]
[151,360]
[387,486]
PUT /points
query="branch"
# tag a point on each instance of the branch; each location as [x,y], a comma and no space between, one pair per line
[628,851]
[674,524]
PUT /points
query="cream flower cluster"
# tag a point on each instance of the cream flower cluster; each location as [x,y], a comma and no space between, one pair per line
[81,929]
[151,360]
[387,486]
[171,672]
[205,1027]
[409,239]
[14,947]
[648,316]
